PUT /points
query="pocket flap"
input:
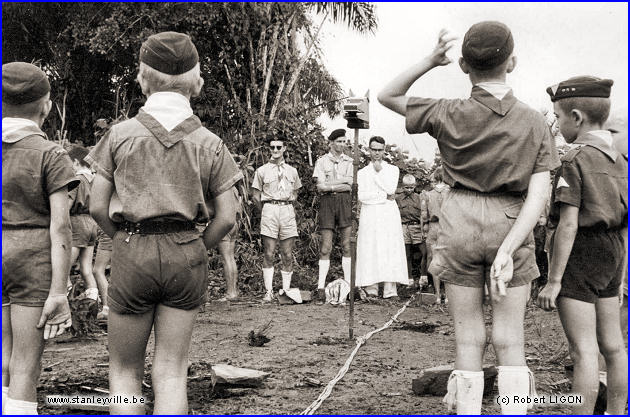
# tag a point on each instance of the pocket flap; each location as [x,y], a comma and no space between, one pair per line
[513,210]
[185,236]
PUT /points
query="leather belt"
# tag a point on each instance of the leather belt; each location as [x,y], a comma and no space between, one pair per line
[149,227]
[279,202]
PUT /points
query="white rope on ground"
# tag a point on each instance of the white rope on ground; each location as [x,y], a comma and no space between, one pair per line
[360,341]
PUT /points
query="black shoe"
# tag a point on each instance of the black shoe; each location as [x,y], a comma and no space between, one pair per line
[320,297]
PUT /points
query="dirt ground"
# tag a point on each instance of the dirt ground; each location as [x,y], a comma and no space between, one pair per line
[311,342]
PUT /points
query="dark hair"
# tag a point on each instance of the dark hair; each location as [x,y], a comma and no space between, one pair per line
[377,139]
[79,153]
[596,109]
[438,175]
[276,137]
[337,133]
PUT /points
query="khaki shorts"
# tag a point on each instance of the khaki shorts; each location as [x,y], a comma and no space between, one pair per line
[84,231]
[471,229]
[26,267]
[412,233]
[104,241]
[278,221]
[169,269]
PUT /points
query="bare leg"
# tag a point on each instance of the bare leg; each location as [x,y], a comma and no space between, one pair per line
[466,308]
[611,345]
[127,336]
[579,323]
[103,257]
[230,269]
[85,261]
[269,249]
[325,247]
[409,255]
[507,326]
[286,253]
[7,344]
[173,330]
[26,352]
[346,233]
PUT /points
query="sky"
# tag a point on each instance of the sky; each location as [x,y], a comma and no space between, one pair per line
[553,42]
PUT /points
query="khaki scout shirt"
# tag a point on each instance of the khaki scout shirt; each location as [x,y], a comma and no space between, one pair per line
[328,168]
[594,178]
[412,207]
[276,181]
[80,196]
[487,144]
[160,173]
[32,169]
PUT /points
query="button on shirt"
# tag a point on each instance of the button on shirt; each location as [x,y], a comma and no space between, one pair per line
[329,168]
[487,144]
[413,208]
[162,173]
[276,181]
[32,169]
[594,178]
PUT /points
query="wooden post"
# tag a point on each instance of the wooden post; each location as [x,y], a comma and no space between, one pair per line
[353,237]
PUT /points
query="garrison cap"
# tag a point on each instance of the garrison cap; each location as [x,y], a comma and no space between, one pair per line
[582,86]
[171,53]
[487,44]
[23,83]
[337,133]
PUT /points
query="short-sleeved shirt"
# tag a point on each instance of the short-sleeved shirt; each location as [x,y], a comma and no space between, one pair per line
[594,178]
[329,168]
[412,207]
[276,181]
[32,169]
[80,196]
[435,197]
[160,173]
[487,145]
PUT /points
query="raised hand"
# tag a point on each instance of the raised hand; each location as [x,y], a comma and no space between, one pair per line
[445,42]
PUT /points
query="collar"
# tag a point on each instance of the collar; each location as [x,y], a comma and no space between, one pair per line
[169,108]
[279,164]
[499,106]
[600,140]
[342,157]
[408,196]
[15,129]
[496,88]
[168,138]
[86,173]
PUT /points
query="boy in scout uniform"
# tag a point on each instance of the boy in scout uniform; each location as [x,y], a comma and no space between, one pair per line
[84,228]
[413,215]
[275,187]
[36,236]
[156,175]
[486,222]
[590,208]
[333,172]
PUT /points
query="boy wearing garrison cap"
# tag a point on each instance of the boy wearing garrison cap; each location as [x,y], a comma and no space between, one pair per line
[275,187]
[495,149]
[157,173]
[36,235]
[590,208]
[333,172]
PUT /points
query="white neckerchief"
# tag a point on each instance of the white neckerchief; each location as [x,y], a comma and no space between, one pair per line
[168,108]
[280,167]
[497,89]
[604,135]
[13,124]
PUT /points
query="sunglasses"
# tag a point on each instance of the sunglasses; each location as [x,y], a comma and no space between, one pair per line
[275,147]
[377,150]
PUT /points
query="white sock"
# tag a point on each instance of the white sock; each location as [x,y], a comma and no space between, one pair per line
[5,393]
[346,265]
[465,392]
[268,278]
[515,381]
[286,279]
[324,265]
[17,407]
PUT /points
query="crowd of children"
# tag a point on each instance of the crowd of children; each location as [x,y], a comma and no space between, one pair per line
[161,173]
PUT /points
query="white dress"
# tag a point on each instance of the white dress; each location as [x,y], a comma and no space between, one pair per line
[380,244]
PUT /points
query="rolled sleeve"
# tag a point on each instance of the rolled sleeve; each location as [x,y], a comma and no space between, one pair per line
[59,171]
[257,182]
[101,158]
[318,172]
[568,185]
[547,158]
[224,172]
[297,183]
[422,114]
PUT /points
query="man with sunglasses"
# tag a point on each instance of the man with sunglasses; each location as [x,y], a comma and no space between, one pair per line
[333,172]
[380,245]
[275,187]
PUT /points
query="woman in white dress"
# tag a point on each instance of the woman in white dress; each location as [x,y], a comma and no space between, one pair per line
[380,245]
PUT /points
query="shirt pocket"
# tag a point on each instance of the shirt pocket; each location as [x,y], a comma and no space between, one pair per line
[270,184]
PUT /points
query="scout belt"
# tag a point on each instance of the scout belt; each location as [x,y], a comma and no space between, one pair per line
[278,202]
[148,227]
[411,223]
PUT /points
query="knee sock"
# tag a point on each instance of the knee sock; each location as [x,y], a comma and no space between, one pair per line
[5,393]
[286,279]
[324,265]
[346,265]
[268,278]
[515,380]
[465,392]
[17,407]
